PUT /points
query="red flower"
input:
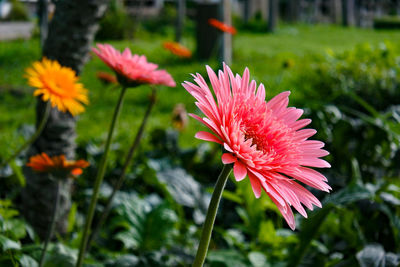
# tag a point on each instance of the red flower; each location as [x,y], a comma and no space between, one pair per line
[264,140]
[57,164]
[132,70]
[177,49]
[222,26]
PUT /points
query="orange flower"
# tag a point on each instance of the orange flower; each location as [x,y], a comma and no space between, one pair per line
[177,49]
[222,26]
[56,165]
[57,84]
[106,77]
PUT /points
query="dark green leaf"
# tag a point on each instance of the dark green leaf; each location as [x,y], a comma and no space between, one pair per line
[373,255]
[227,258]
[27,261]
[7,243]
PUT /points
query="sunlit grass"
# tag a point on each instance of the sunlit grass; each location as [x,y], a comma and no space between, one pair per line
[263,53]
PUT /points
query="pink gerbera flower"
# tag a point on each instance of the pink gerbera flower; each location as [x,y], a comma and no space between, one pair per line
[132,70]
[263,139]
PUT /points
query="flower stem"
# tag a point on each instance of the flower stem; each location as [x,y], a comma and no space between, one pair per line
[33,138]
[210,218]
[125,168]
[52,224]
[98,181]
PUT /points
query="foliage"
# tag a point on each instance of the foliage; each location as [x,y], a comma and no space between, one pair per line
[116,24]
[163,22]
[353,98]
[359,117]
[388,22]
[18,12]
[255,24]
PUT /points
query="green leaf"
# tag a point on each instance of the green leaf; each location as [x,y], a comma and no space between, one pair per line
[124,261]
[227,258]
[267,233]
[373,255]
[258,259]
[7,243]
[18,173]
[309,231]
[27,261]
[72,217]
[391,199]
[61,256]
[145,222]
[15,228]
[349,194]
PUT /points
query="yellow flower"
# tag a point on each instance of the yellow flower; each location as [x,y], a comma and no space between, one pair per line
[59,85]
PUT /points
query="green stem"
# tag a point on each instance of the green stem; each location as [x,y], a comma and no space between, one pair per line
[210,218]
[33,138]
[52,225]
[98,181]
[125,168]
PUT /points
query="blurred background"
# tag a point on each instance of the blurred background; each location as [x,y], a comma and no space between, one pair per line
[341,61]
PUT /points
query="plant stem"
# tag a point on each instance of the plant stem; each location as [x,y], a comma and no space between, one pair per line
[98,181]
[125,168]
[210,218]
[52,224]
[33,138]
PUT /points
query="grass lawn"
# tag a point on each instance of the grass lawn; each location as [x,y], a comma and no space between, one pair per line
[264,54]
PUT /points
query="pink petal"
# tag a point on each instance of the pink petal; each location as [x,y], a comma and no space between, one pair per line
[206,136]
[239,170]
[227,147]
[228,158]
[261,92]
[317,163]
[255,185]
[304,134]
[277,99]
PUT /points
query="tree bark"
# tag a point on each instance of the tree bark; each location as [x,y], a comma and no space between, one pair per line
[226,48]
[246,11]
[42,13]
[272,15]
[70,35]
[348,18]
[180,19]
[293,10]
[206,36]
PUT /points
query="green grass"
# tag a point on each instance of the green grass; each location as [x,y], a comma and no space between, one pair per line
[263,53]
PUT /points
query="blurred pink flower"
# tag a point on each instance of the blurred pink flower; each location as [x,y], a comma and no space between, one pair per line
[132,70]
[263,139]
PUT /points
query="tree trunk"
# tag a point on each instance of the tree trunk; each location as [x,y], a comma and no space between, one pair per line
[180,19]
[348,13]
[335,11]
[42,13]
[272,15]
[293,10]
[70,35]
[206,36]
[226,48]
[246,11]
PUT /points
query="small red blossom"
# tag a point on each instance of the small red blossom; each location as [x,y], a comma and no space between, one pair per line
[56,164]
[222,26]
[177,49]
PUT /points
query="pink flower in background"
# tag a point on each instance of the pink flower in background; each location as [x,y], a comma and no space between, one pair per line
[132,70]
[264,140]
